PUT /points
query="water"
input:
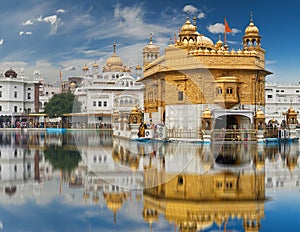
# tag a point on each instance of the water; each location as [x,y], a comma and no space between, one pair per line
[88,181]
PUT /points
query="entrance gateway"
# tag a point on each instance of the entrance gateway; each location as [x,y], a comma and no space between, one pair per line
[233,119]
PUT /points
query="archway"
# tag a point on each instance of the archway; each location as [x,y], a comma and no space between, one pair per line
[227,122]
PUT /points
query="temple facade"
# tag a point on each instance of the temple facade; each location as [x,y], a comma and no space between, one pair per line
[102,93]
[198,85]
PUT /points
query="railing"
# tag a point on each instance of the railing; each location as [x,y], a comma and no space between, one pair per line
[271,132]
[233,135]
[180,133]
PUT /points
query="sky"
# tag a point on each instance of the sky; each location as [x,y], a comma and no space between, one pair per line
[67,34]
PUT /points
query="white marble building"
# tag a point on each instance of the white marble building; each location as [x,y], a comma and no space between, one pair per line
[18,96]
[279,98]
[100,94]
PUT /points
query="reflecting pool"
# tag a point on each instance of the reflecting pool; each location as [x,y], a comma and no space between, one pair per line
[90,181]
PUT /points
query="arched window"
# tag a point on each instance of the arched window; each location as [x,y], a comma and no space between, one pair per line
[218,90]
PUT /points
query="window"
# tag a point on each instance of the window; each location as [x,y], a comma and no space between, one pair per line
[297,91]
[28,95]
[94,103]
[99,103]
[105,103]
[15,109]
[0,93]
[269,96]
[0,108]
[15,94]
[28,88]
[229,90]
[180,95]
[219,90]
[277,91]
[282,91]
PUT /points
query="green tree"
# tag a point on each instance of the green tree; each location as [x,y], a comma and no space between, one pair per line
[62,159]
[63,103]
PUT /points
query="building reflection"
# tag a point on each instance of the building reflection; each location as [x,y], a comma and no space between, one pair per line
[232,187]
[194,186]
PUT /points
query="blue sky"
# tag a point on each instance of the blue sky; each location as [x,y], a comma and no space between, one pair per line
[47,35]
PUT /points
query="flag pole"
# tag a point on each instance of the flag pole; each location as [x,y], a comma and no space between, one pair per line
[224,31]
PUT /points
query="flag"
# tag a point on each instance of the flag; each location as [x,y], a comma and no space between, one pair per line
[227,28]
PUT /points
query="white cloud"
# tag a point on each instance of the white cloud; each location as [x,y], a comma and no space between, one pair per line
[1,42]
[25,33]
[201,15]
[190,9]
[218,28]
[60,11]
[28,22]
[53,20]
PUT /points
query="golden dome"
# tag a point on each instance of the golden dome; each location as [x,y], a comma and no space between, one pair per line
[260,114]
[206,113]
[85,68]
[114,201]
[95,65]
[134,110]
[251,29]
[291,110]
[188,27]
[73,84]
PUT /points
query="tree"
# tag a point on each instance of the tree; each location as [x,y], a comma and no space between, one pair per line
[63,103]
[61,158]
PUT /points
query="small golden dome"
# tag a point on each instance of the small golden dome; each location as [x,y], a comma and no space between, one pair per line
[251,29]
[188,26]
[73,84]
[134,110]
[206,113]
[260,114]
[85,68]
[95,65]
[291,110]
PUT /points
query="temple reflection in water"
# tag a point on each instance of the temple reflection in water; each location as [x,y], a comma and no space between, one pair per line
[193,186]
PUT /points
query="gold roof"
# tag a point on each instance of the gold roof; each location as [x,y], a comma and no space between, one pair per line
[251,29]
[134,110]
[85,68]
[206,113]
[188,27]
[260,114]
[291,110]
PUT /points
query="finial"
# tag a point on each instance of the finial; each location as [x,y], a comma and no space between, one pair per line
[219,37]
[170,41]
[195,20]
[251,16]
[151,38]
[115,47]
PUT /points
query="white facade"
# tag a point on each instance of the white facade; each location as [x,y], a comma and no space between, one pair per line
[18,96]
[46,92]
[115,89]
[279,98]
